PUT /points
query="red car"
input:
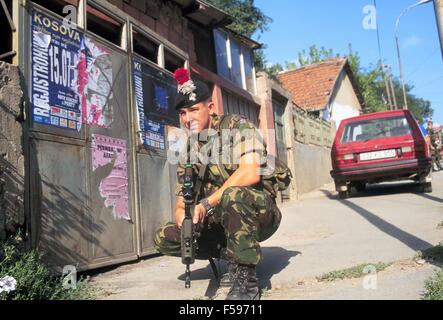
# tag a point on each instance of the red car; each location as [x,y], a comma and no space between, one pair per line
[377,147]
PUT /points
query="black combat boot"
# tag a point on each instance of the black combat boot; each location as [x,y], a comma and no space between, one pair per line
[245,286]
[227,279]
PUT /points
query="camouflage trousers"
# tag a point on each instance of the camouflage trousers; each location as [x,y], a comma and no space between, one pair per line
[244,217]
[436,158]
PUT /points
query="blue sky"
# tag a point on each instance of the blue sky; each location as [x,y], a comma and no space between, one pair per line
[298,24]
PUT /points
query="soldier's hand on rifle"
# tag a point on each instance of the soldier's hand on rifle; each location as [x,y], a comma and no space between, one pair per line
[179,216]
[199,214]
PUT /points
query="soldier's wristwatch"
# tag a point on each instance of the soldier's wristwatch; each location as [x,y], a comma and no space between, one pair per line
[205,203]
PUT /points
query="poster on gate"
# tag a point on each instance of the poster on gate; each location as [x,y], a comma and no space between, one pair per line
[151,133]
[113,188]
[55,50]
[95,84]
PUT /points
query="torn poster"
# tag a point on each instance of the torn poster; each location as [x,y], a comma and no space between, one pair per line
[55,52]
[114,188]
[95,84]
[155,93]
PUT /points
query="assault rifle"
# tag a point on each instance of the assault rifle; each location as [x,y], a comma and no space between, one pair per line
[189,232]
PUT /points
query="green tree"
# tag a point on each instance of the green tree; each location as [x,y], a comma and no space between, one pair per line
[248,20]
[370,81]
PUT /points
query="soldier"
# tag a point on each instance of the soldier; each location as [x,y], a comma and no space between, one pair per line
[434,145]
[236,213]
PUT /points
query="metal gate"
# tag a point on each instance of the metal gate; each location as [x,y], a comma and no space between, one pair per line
[100,184]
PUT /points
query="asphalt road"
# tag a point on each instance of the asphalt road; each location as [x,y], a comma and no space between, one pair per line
[319,233]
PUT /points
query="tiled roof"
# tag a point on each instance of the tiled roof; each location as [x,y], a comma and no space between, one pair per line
[311,86]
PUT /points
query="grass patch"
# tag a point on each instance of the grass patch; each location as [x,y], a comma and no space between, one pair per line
[353,272]
[434,254]
[434,287]
[33,278]
[440,225]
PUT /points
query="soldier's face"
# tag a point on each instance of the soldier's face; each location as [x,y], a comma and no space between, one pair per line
[197,118]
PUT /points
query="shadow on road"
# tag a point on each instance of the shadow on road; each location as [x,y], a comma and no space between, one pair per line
[408,239]
[429,197]
[275,259]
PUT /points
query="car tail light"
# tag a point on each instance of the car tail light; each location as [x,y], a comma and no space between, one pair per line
[407,149]
[346,158]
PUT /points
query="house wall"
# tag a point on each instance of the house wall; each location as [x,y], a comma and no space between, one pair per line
[345,104]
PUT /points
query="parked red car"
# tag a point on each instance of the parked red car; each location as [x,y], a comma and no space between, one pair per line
[377,147]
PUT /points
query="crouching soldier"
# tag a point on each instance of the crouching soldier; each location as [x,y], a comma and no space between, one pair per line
[234,209]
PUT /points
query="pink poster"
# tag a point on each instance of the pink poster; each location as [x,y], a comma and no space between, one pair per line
[113,188]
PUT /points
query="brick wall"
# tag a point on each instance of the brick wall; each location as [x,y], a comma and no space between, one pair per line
[163,17]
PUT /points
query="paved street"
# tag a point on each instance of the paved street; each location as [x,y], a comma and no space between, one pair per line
[319,233]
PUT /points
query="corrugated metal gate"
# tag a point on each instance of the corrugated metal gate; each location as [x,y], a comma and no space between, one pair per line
[96,195]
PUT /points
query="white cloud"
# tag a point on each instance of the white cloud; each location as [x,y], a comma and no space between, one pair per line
[412,41]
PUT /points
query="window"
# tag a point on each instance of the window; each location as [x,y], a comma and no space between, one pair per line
[205,48]
[234,61]
[221,53]
[249,70]
[376,129]
[104,26]
[236,73]
[145,47]
[172,61]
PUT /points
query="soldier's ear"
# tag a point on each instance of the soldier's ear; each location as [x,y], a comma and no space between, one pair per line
[211,106]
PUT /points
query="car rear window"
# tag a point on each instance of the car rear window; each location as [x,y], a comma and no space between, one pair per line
[375,129]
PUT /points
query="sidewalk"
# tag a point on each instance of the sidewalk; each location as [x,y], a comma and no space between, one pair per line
[318,234]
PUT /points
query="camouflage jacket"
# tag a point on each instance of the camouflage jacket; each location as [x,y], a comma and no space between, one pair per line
[433,137]
[238,137]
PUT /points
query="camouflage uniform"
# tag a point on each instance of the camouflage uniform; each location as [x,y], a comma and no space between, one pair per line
[436,158]
[244,216]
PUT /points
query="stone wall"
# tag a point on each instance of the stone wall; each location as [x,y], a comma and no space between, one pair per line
[12,169]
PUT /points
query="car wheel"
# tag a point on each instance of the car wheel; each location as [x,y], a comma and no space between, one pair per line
[343,194]
[426,187]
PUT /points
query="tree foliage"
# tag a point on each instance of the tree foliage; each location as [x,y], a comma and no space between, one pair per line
[370,81]
[248,20]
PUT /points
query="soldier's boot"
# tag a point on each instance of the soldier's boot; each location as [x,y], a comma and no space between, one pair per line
[245,286]
[227,279]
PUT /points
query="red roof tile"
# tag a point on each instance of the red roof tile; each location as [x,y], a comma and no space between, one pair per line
[311,86]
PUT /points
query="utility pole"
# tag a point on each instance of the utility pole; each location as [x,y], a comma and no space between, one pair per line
[394,98]
[438,5]
[388,90]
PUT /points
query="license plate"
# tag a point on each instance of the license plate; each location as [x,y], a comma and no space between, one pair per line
[384,154]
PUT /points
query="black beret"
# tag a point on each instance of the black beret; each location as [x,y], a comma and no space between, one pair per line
[201,93]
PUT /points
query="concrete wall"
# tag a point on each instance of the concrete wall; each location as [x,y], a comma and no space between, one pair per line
[12,170]
[345,103]
[312,166]
[309,164]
